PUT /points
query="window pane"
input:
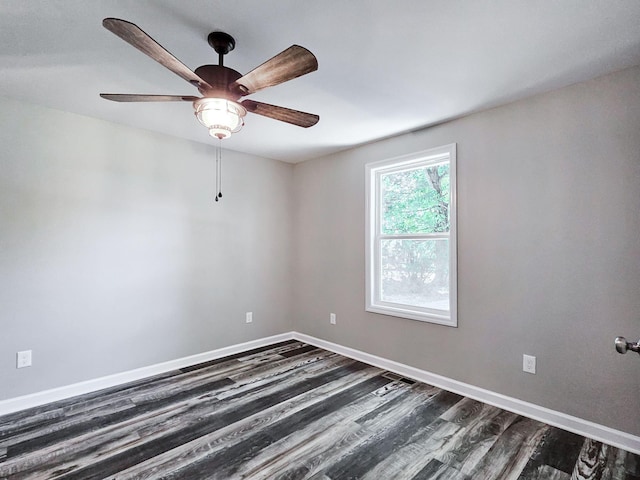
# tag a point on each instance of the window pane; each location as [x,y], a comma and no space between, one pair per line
[415,272]
[415,201]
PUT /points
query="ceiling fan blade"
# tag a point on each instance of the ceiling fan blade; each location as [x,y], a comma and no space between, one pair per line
[291,63]
[135,36]
[126,97]
[294,117]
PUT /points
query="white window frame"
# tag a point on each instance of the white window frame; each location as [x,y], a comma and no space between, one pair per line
[374,170]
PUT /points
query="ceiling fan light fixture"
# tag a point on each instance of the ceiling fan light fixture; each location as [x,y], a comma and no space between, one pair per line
[221,116]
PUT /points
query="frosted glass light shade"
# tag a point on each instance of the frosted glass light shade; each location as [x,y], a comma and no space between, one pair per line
[221,116]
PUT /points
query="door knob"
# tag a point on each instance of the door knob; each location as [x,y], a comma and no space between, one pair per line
[622,346]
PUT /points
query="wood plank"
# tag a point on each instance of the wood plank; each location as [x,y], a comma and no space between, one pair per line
[242,355]
[303,349]
[410,459]
[35,421]
[508,456]
[477,438]
[64,429]
[546,472]
[436,470]
[615,468]
[391,437]
[463,412]
[601,461]
[558,449]
[632,465]
[591,461]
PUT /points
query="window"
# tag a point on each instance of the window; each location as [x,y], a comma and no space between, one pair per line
[411,236]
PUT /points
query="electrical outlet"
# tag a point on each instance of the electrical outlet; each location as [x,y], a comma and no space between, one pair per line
[332,318]
[529,364]
[23,359]
[249,317]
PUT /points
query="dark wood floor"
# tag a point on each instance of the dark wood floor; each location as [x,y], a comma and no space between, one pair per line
[292,411]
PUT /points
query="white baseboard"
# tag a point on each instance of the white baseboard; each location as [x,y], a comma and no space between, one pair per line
[598,432]
[61,393]
[573,424]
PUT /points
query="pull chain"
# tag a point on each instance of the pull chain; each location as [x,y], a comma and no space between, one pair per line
[219,170]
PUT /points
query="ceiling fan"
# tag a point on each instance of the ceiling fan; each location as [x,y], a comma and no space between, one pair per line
[220,108]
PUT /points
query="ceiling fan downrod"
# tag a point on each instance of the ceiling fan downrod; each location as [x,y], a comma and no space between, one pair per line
[222,43]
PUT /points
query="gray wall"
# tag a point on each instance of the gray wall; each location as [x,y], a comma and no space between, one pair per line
[113,255]
[548,252]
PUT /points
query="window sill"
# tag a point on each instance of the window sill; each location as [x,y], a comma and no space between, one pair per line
[439,319]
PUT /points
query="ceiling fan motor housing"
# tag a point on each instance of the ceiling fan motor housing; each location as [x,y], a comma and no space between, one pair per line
[219,78]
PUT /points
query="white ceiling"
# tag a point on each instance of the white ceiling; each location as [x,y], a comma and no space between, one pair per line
[384,67]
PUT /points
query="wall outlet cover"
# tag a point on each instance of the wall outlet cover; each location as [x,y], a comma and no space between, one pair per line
[529,364]
[23,359]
